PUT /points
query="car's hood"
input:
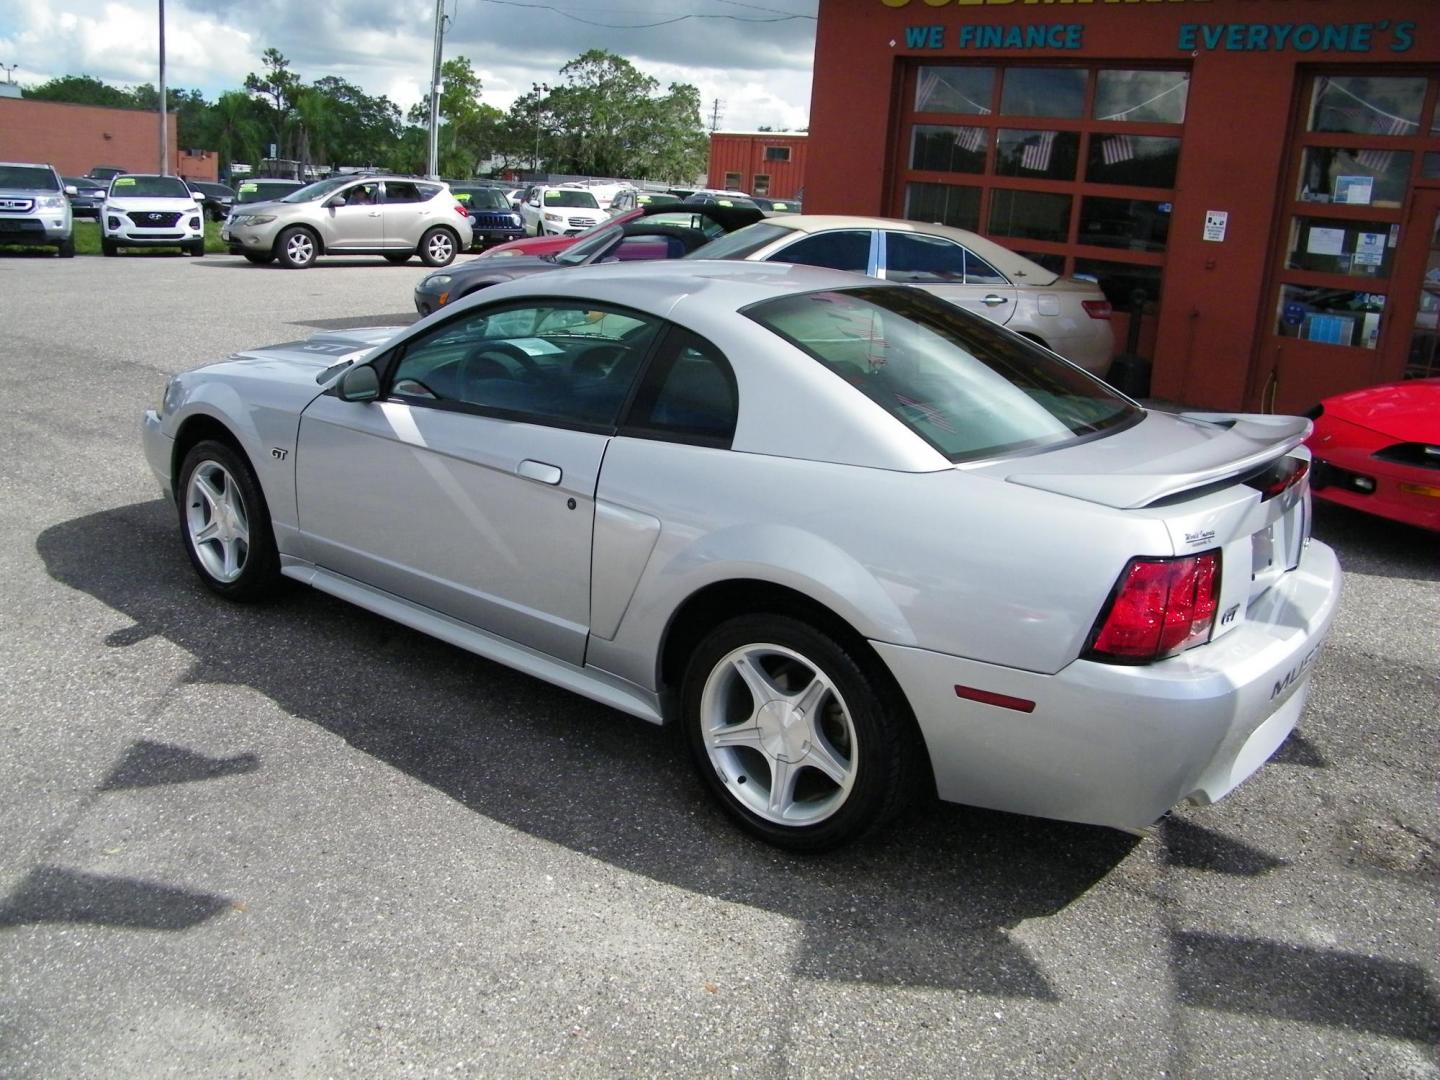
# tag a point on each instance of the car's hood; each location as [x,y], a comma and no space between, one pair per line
[1407,411]
[306,358]
[24,193]
[516,266]
[259,207]
[152,205]
[1161,456]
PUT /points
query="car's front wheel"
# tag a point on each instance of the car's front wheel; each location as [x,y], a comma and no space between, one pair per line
[197,249]
[437,247]
[66,248]
[296,248]
[108,246]
[799,737]
[225,523]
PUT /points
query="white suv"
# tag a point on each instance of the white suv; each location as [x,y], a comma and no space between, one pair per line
[560,211]
[146,210]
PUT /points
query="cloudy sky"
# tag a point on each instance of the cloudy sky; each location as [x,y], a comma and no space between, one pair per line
[748,54]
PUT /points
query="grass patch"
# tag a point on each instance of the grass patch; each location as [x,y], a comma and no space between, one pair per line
[87,242]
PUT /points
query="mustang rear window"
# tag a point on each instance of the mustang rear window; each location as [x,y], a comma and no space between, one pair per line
[964,385]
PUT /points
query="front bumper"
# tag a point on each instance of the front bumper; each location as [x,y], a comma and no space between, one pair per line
[159,450]
[1388,490]
[1119,746]
[34,229]
[130,235]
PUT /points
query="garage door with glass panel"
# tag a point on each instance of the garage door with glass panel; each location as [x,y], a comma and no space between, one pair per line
[1072,166]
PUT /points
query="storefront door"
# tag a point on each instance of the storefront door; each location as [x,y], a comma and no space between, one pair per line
[1355,244]
[1419,291]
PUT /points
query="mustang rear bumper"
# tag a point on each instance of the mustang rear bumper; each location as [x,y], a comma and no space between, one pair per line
[1114,745]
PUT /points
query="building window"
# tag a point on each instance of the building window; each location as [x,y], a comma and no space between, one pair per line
[732,181]
[761,185]
[777,153]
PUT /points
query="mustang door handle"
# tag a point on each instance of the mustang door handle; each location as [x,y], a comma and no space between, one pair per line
[992,300]
[539,470]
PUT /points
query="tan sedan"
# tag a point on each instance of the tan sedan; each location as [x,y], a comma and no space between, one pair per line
[1067,315]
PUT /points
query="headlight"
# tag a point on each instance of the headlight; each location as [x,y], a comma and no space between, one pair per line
[438,281]
[51,202]
[553,217]
[517,219]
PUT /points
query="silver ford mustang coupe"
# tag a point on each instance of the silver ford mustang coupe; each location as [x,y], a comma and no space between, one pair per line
[855,540]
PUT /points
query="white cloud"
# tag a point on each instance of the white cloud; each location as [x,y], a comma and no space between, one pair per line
[759,70]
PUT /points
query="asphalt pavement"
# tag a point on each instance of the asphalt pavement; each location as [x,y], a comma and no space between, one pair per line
[298,840]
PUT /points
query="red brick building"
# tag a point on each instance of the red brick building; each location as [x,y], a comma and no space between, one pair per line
[770,163]
[75,138]
[1266,171]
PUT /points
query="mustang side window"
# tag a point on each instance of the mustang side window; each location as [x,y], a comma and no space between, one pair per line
[559,363]
[689,394]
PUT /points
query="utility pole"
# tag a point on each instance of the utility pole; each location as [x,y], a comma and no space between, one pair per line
[164,119]
[715,115]
[434,170]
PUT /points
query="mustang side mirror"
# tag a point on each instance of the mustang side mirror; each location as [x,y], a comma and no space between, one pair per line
[360,384]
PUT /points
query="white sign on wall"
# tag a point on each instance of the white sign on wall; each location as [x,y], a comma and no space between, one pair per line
[1215,221]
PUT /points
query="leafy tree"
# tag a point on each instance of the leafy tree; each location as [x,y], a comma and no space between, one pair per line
[363,128]
[81,90]
[276,88]
[234,130]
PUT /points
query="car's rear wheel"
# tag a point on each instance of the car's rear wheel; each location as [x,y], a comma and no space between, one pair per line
[398,257]
[260,258]
[66,249]
[437,247]
[108,246]
[296,248]
[795,733]
[225,523]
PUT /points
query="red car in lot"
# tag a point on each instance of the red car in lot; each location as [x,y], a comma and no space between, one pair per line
[1378,450]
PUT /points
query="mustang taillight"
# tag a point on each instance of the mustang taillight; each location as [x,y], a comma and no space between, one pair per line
[1097,309]
[1160,607]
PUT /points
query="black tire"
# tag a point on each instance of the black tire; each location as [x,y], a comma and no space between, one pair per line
[256,561]
[197,249]
[260,258]
[108,247]
[296,248]
[438,247]
[857,725]
[66,250]
[399,257]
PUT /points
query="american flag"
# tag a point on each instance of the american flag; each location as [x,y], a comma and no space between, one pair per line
[1116,148]
[970,138]
[1378,161]
[1035,155]
[929,413]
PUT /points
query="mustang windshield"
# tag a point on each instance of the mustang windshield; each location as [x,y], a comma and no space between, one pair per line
[964,385]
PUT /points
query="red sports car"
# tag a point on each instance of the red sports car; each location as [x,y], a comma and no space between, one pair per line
[1378,450]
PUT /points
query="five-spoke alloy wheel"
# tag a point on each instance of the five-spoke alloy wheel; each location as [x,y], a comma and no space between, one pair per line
[794,732]
[225,523]
[296,248]
[437,247]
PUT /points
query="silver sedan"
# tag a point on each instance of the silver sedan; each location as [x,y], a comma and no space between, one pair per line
[857,541]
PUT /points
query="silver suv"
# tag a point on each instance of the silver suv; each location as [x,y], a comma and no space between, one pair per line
[393,216]
[35,208]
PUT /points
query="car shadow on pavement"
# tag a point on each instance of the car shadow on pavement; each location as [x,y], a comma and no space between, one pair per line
[928,903]
[933,902]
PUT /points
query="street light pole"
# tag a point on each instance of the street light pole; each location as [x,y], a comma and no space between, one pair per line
[537,89]
[434,162]
[164,125]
